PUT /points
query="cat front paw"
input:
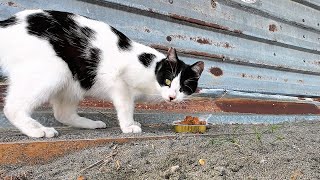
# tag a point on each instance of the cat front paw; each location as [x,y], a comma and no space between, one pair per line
[132,129]
[49,132]
[41,132]
[136,123]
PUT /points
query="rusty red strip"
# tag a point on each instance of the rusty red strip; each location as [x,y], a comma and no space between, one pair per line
[202,105]
[30,153]
[203,23]
[190,106]
[199,22]
[266,107]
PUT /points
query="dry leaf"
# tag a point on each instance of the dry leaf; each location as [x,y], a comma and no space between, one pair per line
[295,175]
[81,178]
[118,164]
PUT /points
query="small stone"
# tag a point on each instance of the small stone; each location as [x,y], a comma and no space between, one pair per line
[236,168]
[182,177]
[221,170]
[262,161]
[174,168]
[170,171]
[202,162]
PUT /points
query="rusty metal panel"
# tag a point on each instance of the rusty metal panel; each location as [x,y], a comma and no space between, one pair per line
[220,15]
[246,47]
[303,16]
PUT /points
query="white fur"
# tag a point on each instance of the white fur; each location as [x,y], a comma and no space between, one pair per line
[36,75]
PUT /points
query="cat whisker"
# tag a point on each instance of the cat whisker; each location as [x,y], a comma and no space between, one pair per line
[189,87]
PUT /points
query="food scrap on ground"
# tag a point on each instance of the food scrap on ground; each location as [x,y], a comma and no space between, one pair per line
[189,120]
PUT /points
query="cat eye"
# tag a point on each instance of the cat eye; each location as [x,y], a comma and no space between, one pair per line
[168,82]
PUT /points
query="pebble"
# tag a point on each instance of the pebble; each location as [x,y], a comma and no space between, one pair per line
[221,170]
[170,171]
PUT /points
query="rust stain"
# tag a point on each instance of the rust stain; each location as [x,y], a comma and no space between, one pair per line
[31,153]
[316,62]
[227,45]
[237,31]
[192,53]
[176,36]
[147,30]
[189,106]
[244,75]
[199,22]
[203,54]
[204,23]
[273,28]
[201,40]
[12,4]
[316,99]
[266,107]
[226,105]
[204,104]
[216,71]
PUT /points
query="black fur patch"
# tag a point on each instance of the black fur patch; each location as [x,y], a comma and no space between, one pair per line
[70,41]
[8,22]
[169,70]
[146,59]
[124,43]
[188,81]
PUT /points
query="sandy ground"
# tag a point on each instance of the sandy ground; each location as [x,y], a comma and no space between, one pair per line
[279,151]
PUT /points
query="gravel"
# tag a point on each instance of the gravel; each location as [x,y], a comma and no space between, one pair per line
[278,151]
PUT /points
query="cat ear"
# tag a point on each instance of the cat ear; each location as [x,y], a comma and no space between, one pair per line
[198,67]
[172,55]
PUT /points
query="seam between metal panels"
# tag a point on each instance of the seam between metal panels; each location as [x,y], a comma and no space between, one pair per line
[182,20]
[305,3]
[226,59]
[267,15]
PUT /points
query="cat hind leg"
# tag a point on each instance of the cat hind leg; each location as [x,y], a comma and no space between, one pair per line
[65,111]
[21,100]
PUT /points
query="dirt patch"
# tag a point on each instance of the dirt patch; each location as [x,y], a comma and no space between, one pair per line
[279,151]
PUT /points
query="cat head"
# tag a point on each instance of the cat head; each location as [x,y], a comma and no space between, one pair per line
[177,79]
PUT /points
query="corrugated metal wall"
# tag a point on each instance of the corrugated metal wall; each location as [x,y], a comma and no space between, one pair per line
[266,47]
[269,46]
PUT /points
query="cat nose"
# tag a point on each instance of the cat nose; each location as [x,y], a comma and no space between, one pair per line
[172,97]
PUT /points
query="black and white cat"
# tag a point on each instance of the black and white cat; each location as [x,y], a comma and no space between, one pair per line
[62,57]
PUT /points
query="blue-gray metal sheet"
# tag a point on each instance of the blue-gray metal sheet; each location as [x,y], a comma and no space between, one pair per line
[287,11]
[255,79]
[235,19]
